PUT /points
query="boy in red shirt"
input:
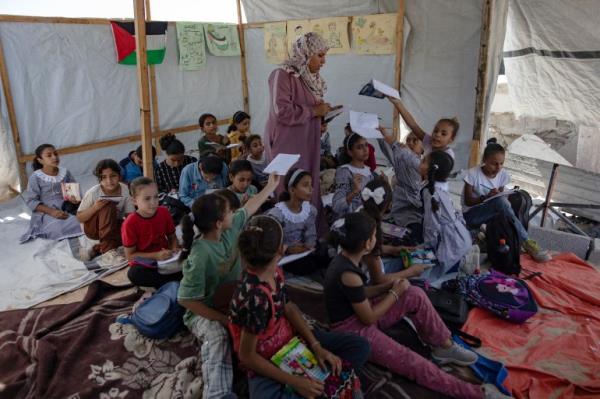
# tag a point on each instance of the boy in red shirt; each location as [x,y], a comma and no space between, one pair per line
[148,236]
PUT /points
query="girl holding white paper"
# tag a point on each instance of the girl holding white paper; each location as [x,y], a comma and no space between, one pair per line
[50,218]
[352,177]
[298,218]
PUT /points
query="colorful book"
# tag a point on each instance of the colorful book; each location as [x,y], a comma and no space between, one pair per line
[295,358]
[70,190]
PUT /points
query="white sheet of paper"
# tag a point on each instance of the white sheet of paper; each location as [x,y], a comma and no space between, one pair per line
[235,145]
[172,259]
[282,164]
[365,124]
[327,199]
[290,258]
[385,89]
[113,198]
[500,194]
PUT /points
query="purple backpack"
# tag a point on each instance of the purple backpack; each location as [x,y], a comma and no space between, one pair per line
[507,297]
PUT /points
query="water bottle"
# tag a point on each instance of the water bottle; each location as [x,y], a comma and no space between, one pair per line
[503,248]
[471,263]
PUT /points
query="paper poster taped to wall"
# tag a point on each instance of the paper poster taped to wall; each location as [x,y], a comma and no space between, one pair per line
[295,29]
[335,33]
[222,39]
[374,34]
[275,40]
[333,30]
[191,45]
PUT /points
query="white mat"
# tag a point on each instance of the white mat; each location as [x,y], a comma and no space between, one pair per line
[38,270]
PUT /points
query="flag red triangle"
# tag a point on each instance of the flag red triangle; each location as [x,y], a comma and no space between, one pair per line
[124,41]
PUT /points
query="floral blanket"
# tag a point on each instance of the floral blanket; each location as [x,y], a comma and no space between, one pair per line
[79,351]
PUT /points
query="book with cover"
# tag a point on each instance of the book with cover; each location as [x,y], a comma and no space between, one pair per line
[113,198]
[378,89]
[70,190]
[295,358]
[333,113]
[369,91]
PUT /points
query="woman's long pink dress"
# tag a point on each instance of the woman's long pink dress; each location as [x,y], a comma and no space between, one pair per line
[292,127]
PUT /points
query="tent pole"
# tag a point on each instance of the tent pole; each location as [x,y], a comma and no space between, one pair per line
[12,118]
[242,39]
[398,68]
[481,90]
[143,86]
[547,202]
[153,94]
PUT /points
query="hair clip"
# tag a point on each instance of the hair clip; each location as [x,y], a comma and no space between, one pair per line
[378,195]
[435,166]
[338,226]
[254,228]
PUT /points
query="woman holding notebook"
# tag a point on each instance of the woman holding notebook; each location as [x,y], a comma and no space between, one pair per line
[297,107]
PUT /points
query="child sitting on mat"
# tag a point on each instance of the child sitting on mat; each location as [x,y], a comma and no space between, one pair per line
[240,175]
[104,207]
[52,214]
[206,175]
[263,320]
[210,261]
[148,236]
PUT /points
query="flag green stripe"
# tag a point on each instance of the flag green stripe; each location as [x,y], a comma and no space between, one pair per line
[153,57]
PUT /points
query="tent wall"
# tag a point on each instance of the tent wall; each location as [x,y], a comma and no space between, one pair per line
[552,59]
[439,64]
[69,90]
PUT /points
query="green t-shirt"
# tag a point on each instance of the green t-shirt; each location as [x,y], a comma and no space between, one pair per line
[251,191]
[211,264]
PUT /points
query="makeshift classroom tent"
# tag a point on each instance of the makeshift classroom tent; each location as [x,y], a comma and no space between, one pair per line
[67,88]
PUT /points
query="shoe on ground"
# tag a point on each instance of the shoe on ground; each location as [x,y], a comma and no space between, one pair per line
[538,254]
[491,392]
[455,354]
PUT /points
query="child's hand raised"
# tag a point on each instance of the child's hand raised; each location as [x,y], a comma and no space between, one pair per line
[273,182]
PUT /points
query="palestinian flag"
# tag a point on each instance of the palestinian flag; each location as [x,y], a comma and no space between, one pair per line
[156,42]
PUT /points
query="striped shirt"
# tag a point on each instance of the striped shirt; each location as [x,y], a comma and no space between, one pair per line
[167,177]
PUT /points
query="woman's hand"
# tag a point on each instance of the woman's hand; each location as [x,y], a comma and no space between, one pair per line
[321,109]
[58,214]
[325,357]
[308,388]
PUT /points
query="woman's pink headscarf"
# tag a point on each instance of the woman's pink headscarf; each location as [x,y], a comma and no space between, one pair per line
[305,47]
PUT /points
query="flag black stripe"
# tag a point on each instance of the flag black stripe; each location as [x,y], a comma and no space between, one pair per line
[152,28]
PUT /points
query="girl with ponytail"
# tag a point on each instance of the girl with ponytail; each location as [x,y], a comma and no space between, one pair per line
[263,320]
[444,228]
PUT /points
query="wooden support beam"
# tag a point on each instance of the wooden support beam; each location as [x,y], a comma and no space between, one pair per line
[121,140]
[12,118]
[153,91]
[245,96]
[55,20]
[143,86]
[551,185]
[398,66]
[482,77]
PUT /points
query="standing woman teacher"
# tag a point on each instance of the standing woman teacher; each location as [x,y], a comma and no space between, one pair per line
[297,106]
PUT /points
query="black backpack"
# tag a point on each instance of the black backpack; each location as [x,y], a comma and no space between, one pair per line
[502,228]
[520,201]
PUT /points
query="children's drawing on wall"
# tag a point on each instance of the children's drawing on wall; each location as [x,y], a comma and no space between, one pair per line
[275,42]
[335,32]
[374,34]
[295,29]
[222,39]
[191,45]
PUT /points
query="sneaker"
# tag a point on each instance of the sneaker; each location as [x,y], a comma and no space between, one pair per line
[455,354]
[491,392]
[538,254]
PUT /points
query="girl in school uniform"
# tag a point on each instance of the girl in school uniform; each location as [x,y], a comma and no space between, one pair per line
[168,172]
[486,181]
[368,311]
[263,319]
[407,208]
[255,154]
[298,218]
[352,176]
[51,216]
[444,228]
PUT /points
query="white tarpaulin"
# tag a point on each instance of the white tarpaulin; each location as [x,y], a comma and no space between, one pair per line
[552,59]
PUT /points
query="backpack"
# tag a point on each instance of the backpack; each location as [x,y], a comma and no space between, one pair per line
[176,208]
[501,227]
[160,316]
[521,202]
[508,298]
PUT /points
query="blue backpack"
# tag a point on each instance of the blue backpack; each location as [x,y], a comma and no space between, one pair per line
[159,316]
